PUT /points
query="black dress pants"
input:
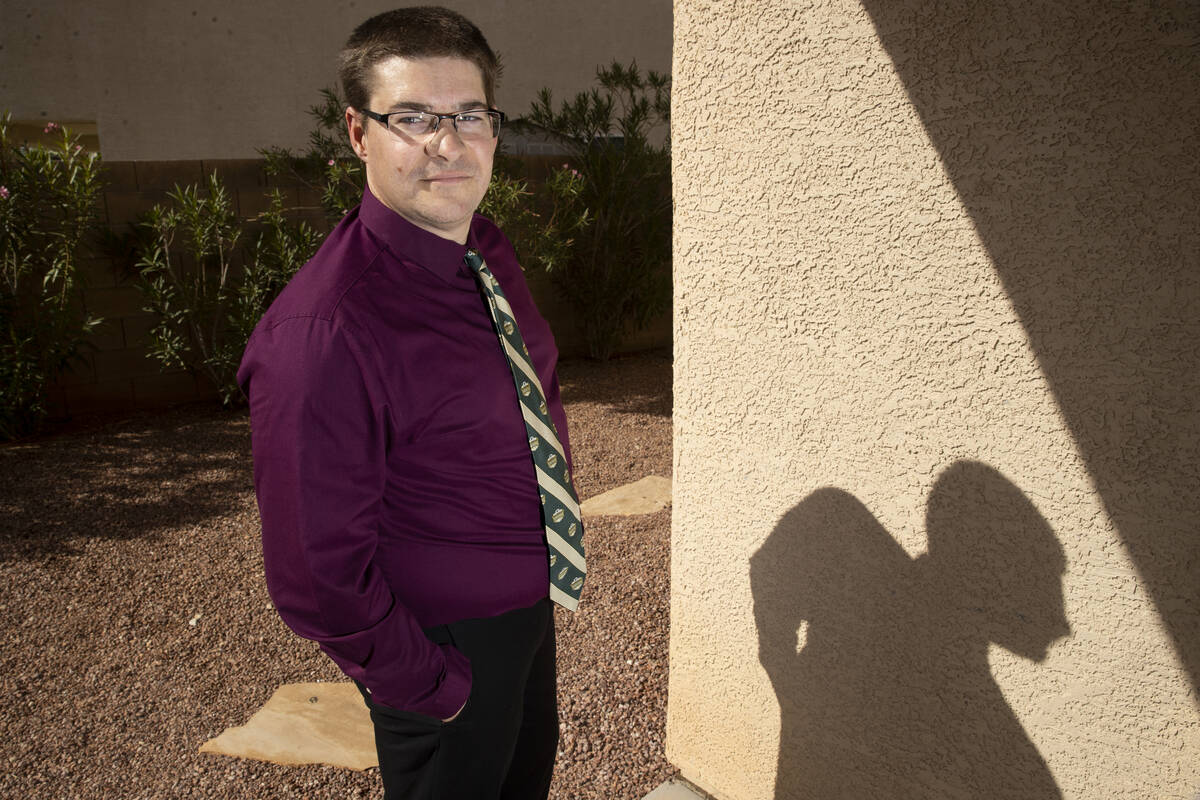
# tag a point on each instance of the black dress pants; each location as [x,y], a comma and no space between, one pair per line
[502,745]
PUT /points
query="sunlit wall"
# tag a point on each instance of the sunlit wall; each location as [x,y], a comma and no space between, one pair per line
[937,435]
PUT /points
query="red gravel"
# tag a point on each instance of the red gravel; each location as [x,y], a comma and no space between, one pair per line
[136,624]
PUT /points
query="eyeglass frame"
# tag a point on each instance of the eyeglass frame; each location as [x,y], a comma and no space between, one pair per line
[382,119]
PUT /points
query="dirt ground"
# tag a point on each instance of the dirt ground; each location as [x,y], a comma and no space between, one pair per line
[136,624]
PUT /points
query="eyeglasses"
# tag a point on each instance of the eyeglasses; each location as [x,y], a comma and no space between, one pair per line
[476,124]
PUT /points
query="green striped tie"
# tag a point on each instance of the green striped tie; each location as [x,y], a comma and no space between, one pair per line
[560,505]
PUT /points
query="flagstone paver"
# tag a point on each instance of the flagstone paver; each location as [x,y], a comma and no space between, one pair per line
[674,790]
[305,723]
[650,494]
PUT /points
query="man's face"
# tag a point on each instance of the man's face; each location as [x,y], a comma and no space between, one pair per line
[434,182]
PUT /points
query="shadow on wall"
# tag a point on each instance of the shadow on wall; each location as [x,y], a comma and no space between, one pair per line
[1069,131]
[879,661]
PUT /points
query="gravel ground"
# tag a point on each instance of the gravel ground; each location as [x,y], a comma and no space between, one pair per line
[136,624]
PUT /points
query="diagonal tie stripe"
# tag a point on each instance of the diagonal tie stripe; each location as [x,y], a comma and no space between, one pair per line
[540,427]
[560,493]
[515,355]
[565,549]
[520,363]
[501,301]
[559,503]
[563,599]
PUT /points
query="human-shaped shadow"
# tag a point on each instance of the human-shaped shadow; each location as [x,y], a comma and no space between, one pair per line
[880,661]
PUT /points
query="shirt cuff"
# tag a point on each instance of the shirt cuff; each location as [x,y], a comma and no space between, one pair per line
[453,689]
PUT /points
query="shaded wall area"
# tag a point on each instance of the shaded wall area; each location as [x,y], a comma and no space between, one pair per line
[1070,134]
[224,78]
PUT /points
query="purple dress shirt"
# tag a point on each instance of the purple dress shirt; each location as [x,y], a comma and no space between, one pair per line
[391,465]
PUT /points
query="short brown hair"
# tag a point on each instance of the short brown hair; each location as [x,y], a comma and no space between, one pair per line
[416,32]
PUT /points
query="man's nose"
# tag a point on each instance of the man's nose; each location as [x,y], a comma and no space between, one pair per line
[445,141]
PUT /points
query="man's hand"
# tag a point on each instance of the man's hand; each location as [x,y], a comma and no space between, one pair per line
[456,713]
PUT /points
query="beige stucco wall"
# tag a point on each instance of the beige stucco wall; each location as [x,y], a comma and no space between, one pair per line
[223,78]
[937,314]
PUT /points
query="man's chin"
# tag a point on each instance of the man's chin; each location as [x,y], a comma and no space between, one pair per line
[449,223]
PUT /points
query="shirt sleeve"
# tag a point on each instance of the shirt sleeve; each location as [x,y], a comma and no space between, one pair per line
[319,431]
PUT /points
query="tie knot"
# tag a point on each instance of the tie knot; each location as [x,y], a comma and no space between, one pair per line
[473,260]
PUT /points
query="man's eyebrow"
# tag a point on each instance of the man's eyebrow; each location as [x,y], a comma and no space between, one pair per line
[407,105]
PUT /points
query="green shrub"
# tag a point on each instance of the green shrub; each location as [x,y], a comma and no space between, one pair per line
[618,274]
[48,201]
[207,293]
[540,218]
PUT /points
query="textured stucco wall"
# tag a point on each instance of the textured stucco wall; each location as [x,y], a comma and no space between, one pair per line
[222,78]
[937,319]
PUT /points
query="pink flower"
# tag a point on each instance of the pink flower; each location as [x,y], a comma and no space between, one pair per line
[78,147]
[3,192]
[51,127]
[331,162]
[566,165]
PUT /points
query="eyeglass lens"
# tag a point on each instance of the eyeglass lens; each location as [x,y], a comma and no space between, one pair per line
[469,124]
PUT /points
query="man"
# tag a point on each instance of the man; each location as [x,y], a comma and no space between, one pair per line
[416,498]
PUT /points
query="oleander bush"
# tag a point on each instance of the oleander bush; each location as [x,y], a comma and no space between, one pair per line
[207,288]
[617,276]
[48,200]
[541,218]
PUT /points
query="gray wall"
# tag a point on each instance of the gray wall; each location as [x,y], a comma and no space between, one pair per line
[221,79]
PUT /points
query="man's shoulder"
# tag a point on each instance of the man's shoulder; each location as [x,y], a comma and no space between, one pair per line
[488,234]
[306,327]
[321,286]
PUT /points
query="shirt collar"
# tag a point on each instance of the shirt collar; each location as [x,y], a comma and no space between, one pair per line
[442,257]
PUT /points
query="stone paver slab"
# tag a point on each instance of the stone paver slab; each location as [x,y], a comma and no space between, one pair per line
[305,723]
[674,790]
[650,494]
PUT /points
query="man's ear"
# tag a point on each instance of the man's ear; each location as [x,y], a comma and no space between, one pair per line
[358,134]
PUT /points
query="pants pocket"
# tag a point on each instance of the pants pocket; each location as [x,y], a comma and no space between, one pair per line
[407,745]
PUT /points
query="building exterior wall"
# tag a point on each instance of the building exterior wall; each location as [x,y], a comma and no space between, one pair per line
[168,81]
[936,417]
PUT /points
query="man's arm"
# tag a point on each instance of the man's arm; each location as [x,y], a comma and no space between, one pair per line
[319,434]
